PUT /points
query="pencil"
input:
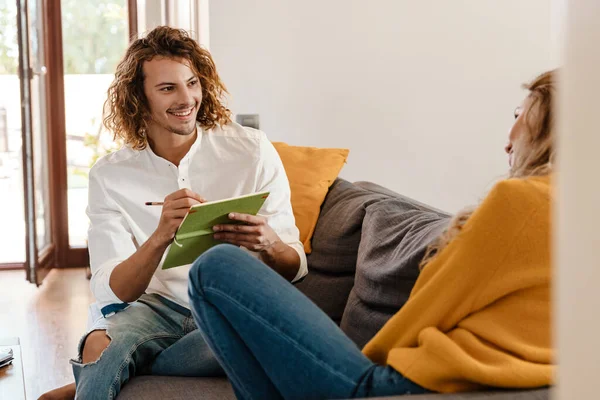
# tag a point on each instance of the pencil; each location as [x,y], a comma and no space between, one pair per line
[154,203]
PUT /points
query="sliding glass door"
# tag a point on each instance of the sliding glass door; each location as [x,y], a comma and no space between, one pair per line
[57,58]
[39,244]
[87,38]
[95,37]
[12,233]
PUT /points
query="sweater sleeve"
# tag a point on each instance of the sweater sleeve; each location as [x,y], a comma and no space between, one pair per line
[451,285]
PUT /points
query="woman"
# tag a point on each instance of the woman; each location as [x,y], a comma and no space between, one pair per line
[478,316]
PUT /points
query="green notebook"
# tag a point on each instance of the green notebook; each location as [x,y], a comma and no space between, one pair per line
[195,234]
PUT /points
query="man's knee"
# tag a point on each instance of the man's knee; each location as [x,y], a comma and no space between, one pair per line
[95,343]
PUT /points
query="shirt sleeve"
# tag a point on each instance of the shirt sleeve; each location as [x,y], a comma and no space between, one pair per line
[278,207]
[110,240]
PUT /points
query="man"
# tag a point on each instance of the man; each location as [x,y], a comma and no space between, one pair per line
[180,146]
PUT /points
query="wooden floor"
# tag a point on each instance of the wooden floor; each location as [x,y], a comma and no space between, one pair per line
[49,321]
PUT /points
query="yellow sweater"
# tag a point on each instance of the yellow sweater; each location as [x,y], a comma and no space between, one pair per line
[479,314]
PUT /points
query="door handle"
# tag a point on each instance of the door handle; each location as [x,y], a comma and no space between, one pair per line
[41,71]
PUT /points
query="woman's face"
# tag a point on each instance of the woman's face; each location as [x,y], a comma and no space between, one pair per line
[519,130]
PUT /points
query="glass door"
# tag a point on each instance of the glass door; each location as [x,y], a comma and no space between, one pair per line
[39,246]
[12,232]
[50,114]
[95,37]
[85,40]
[45,245]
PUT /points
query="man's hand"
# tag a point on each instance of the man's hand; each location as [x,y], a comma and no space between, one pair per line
[255,235]
[130,279]
[175,207]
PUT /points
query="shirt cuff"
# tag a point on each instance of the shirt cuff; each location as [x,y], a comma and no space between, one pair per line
[100,283]
[303,269]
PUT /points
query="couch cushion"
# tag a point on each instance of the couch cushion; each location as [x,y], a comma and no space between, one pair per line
[176,388]
[395,233]
[328,291]
[338,231]
[536,394]
[311,171]
[332,262]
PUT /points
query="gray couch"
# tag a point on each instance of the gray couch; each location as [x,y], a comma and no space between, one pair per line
[366,249]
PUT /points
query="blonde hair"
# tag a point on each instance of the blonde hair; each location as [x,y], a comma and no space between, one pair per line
[127,111]
[533,154]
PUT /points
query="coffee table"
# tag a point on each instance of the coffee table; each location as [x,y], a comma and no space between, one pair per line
[12,385]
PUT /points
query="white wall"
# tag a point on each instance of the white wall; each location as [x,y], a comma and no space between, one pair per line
[558,26]
[421,91]
[578,239]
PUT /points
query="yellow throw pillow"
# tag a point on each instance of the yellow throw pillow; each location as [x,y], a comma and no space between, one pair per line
[311,171]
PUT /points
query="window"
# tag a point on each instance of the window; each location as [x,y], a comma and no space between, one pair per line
[95,37]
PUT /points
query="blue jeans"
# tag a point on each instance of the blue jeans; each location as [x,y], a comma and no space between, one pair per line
[272,341]
[152,336]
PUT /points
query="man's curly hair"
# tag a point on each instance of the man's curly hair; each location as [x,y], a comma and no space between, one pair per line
[127,113]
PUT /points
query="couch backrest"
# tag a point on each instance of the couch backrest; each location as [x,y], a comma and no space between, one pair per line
[367,245]
[332,263]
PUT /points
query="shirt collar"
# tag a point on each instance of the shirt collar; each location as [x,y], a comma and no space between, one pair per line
[189,154]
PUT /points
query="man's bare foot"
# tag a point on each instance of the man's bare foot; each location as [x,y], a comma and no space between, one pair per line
[66,392]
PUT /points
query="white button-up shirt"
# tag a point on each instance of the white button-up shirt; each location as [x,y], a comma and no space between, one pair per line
[222,163]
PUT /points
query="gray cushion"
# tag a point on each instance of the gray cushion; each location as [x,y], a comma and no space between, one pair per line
[375,188]
[335,243]
[176,388]
[328,291]
[337,233]
[395,233]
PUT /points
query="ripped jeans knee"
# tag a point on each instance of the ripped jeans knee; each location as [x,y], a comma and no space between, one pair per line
[136,336]
[95,366]
[128,354]
[93,345]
